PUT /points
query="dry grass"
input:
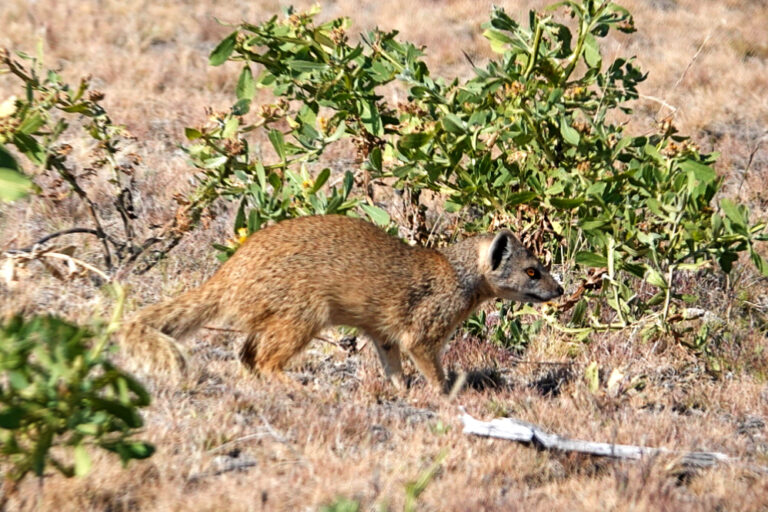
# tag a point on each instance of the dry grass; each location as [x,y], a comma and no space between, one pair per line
[341,431]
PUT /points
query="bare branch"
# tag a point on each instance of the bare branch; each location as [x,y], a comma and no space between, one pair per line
[524,432]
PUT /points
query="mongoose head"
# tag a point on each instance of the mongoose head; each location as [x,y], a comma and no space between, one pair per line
[512,272]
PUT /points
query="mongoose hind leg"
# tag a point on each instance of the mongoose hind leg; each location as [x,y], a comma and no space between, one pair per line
[389,355]
[248,351]
[274,340]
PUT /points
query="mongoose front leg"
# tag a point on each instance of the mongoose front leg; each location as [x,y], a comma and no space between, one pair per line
[426,357]
[389,354]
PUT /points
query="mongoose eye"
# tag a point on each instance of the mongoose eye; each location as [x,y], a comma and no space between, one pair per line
[532,273]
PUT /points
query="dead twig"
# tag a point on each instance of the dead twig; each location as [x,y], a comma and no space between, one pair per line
[17,257]
[255,435]
[751,159]
[236,465]
[593,281]
[51,236]
[346,344]
[539,363]
[517,430]
[223,329]
[660,102]
[688,67]
[281,439]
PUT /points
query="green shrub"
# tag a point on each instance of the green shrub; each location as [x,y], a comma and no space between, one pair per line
[531,141]
[60,396]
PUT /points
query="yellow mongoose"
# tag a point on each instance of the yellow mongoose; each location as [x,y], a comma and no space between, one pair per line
[292,279]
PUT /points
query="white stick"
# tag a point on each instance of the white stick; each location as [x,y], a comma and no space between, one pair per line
[521,431]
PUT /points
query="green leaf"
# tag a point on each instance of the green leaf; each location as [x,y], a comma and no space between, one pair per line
[621,144]
[221,53]
[498,40]
[655,278]
[570,134]
[213,162]
[726,260]
[592,377]
[31,124]
[375,159]
[30,147]
[653,152]
[592,52]
[126,413]
[320,180]
[590,259]
[759,261]
[192,133]
[40,451]
[337,134]
[266,79]
[565,203]
[701,172]
[10,418]
[230,128]
[376,214]
[520,198]
[452,206]
[18,379]
[79,108]
[349,181]
[579,313]
[13,185]
[129,450]
[254,221]
[140,450]
[453,124]
[371,119]
[305,66]
[88,429]
[278,142]
[733,213]
[82,460]
[591,225]
[142,395]
[240,216]
[246,87]
[7,160]
[414,140]
[241,107]
[635,270]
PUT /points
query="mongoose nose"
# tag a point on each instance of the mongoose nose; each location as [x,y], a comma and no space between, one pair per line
[560,290]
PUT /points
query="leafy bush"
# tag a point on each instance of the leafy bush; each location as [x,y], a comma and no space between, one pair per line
[532,141]
[60,395]
[38,119]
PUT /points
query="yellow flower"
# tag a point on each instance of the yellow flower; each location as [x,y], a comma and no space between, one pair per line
[242,235]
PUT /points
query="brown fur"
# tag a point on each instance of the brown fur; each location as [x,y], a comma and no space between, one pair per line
[290,280]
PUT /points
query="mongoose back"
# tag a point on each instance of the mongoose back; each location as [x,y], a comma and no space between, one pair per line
[292,279]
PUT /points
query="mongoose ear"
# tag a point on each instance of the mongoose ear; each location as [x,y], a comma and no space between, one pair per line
[499,249]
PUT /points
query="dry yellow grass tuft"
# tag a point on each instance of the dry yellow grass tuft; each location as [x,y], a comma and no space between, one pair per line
[227,440]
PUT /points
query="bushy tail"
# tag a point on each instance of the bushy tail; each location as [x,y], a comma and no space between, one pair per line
[153,333]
